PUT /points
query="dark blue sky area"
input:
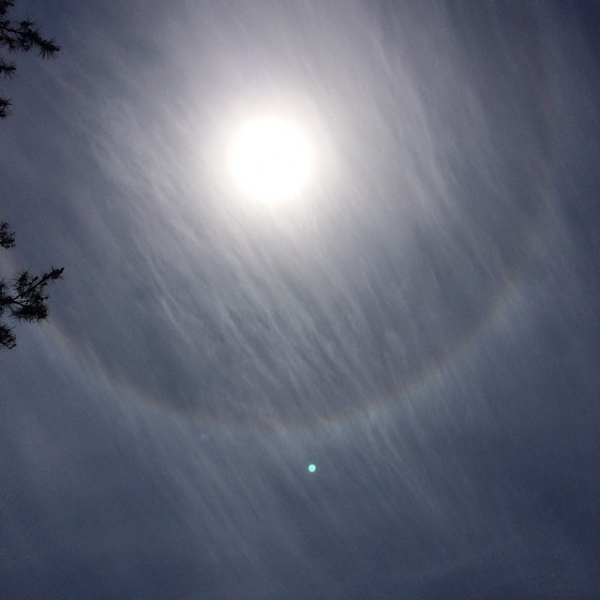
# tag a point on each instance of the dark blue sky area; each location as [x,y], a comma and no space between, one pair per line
[420,320]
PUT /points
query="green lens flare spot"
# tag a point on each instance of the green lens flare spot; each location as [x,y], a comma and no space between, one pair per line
[312,468]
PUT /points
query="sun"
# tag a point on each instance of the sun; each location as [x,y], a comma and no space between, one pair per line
[270,159]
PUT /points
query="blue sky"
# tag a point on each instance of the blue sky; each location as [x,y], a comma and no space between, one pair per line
[420,321]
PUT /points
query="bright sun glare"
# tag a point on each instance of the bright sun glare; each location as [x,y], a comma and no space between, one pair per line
[270,159]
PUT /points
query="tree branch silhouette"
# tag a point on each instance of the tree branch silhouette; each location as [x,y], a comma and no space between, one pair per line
[24,297]
[19,36]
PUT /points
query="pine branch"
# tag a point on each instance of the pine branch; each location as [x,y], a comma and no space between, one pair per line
[7,237]
[19,36]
